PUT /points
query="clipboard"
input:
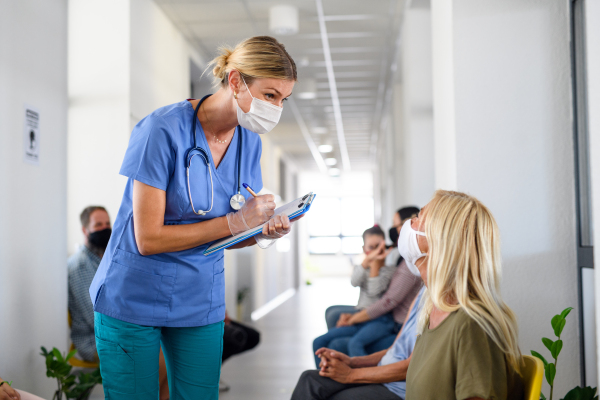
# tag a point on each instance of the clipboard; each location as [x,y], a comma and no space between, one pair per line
[292,209]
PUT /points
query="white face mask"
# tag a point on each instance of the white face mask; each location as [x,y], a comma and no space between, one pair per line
[262,117]
[409,247]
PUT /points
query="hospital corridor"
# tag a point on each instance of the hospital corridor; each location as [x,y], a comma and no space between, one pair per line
[299,199]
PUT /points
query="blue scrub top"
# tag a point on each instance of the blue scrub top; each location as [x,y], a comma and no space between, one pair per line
[183,288]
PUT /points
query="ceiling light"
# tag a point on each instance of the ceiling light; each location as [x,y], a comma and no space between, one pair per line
[306,89]
[325,148]
[319,130]
[283,20]
[334,171]
[330,161]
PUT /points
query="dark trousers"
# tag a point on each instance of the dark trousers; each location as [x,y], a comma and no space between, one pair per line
[238,338]
[312,386]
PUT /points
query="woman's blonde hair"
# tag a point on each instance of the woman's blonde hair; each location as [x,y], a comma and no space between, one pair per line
[464,266]
[254,58]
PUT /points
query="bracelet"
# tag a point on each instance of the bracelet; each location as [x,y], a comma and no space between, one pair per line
[8,383]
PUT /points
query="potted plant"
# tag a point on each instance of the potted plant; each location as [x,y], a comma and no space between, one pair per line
[72,386]
[558,323]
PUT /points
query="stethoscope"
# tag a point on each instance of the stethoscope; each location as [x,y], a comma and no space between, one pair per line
[237,200]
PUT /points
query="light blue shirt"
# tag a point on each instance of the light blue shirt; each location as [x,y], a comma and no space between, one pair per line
[403,346]
[183,288]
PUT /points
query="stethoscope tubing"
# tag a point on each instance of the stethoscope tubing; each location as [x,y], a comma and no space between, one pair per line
[203,153]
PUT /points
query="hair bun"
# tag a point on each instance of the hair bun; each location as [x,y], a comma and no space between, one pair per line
[219,71]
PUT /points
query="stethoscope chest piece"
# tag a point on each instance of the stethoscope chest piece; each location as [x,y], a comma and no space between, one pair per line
[237,201]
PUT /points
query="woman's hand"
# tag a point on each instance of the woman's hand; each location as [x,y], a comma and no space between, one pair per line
[344,320]
[254,212]
[340,356]
[8,393]
[334,366]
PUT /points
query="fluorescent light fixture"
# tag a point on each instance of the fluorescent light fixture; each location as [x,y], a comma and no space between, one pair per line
[283,20]
[334,171]
[325,148]
[319,130]
[330,161]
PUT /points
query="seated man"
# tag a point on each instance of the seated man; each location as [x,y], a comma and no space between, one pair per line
[95,225]
[379,376]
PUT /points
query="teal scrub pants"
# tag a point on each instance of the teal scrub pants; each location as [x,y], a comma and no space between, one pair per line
[129,359]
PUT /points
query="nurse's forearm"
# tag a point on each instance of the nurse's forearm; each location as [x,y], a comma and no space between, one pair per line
[153,236]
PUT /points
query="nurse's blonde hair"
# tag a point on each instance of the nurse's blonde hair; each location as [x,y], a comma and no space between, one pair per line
[464,267]
[254,58]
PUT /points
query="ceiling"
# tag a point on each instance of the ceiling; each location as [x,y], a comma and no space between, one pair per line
[363,41]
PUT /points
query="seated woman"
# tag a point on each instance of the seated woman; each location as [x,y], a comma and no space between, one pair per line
[8,393]
[468,341]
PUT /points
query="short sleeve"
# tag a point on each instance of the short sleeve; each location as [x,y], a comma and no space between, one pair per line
[150,157]
[481,367]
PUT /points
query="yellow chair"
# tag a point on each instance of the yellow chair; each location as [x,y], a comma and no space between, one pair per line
[76,362]
[533,375]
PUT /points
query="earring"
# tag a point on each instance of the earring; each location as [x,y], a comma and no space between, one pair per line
[235,95]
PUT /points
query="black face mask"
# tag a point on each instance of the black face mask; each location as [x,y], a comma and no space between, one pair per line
[393,232]
[100,238]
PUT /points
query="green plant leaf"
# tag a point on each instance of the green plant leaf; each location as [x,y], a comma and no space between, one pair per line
[542,397]
[579,393]
[565,312]
[71,354]
[548,343]
[57,354]
[538,355]
[556,348]
[555,321]
[550,373]
[561,326]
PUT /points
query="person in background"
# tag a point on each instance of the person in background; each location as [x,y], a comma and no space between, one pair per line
[96,228]
[374,255]
[399,218]
[377,376]
[8,393]
[373,277]
[468,341]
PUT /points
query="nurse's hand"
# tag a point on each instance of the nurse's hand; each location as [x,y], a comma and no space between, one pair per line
[277,227]
[254,212]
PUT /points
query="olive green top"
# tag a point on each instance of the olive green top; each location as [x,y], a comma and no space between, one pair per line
[457,360]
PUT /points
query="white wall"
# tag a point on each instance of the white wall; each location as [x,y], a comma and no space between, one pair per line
[118,74]
[33,273]
[99,88]
[417,104]
[514,151]
[593,77]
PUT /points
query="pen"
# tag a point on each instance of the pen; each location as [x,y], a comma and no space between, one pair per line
[248,188]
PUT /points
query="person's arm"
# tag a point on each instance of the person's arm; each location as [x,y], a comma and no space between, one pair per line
[370,360]
[153,236]
[7,392]
[400,288]
[376,285]
[359,275]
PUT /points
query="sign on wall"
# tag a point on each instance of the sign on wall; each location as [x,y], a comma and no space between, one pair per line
[31,135]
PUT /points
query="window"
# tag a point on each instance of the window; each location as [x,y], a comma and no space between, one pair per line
[335,224]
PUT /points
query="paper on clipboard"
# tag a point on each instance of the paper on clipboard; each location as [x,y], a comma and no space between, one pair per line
[293,209]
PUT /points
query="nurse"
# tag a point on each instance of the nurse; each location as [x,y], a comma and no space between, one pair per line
[185,163]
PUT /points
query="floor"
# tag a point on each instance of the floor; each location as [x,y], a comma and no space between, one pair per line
[270,371]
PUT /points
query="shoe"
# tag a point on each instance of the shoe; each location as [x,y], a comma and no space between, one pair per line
[223,387]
